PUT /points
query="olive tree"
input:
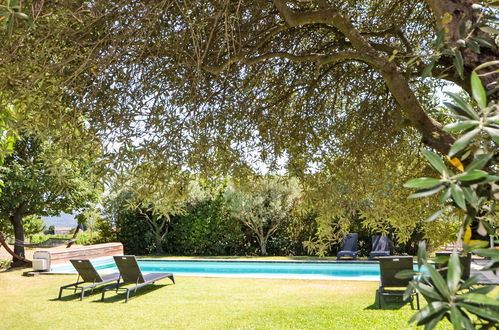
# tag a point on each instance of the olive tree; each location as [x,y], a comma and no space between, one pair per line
[263,205]
[222,86]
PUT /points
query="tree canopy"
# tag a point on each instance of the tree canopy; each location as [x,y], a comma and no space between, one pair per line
[205,84]
[325,89]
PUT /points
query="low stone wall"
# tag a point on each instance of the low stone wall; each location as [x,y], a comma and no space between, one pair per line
[82,252]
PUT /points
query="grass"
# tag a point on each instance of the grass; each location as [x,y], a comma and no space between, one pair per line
[200,303]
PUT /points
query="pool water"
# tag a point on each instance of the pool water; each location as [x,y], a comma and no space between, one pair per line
[246,269]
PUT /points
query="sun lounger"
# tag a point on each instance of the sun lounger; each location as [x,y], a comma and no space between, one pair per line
[380,247]
[389,267]
[349,247]
[130,273]
[88,274]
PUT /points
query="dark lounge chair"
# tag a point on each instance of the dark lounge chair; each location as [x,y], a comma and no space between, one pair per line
[131,274]
[88,274]
[464,260]
[380,247]
[349,248]
[389,267]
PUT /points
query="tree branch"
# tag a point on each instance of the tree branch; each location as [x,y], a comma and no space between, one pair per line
[330,16]
[319,59]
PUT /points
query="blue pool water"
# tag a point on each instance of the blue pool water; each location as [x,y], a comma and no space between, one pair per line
[247,269]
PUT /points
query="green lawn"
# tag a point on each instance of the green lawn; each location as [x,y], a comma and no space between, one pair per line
[199,303]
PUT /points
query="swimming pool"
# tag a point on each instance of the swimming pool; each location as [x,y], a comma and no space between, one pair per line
[363,271]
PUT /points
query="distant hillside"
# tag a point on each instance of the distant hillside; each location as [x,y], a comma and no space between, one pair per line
[63,220]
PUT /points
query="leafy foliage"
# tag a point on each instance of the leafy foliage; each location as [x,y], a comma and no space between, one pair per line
[35,187]
[43,190]
[206,229]
[33,225]
[474,192]
[7,135]
[230,87]
[452,297]
[152,94]
[263,205]
[10,14]
[131,229]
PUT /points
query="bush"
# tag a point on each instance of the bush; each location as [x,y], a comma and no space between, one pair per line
[105,232]
[205,229]
[134,233]
[130,227]
[50,230]
[82,238]
[302,227]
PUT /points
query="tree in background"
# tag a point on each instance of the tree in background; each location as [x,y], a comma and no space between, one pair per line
[151,202]
[263,205]
[130,229]
[34,186]
[7,135]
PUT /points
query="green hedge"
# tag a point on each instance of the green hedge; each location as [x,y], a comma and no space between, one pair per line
[205,229]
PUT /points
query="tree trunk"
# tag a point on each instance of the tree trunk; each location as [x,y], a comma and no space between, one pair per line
[263,245]
[17,222]
[6,247]
[449,15]
[156,230]
[75,235]
[159,243]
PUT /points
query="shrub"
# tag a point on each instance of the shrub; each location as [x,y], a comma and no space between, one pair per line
[82,238]
[105,232]
[50,230]
[133,233]
[205,229]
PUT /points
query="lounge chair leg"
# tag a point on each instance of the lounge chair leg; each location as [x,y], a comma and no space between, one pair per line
[127,294]
[82,294]
[417,300]
[378,293]
[102,296]
[60,293]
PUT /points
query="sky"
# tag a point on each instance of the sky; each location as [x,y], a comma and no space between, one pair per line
[63,220]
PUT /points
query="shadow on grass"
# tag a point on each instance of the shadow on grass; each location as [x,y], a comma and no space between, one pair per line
[390,303]
[67,295]
[112,296]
